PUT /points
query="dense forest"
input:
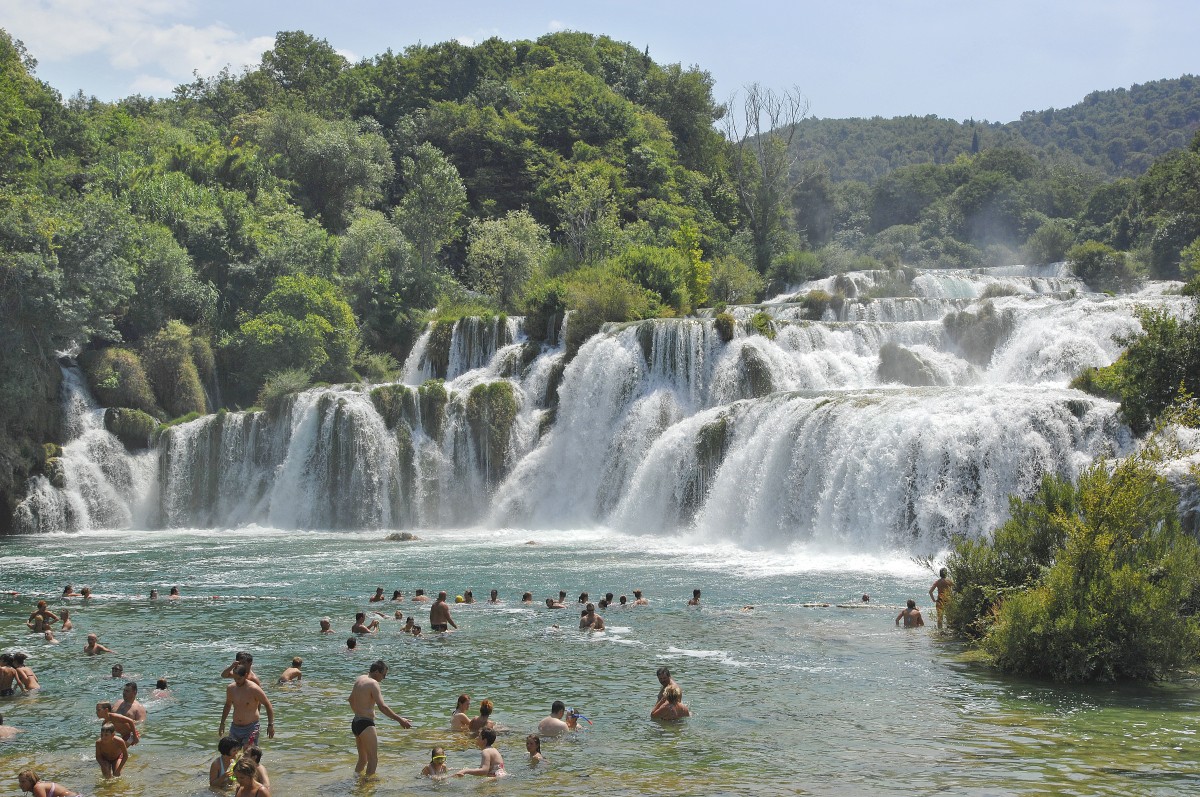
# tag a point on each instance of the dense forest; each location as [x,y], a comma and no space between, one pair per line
[302,221]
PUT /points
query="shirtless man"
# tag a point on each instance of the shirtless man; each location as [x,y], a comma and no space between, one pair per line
[945,588]
[8,676]
[245,698]
[364,697]
[292,673]
[129,705]
[125,726]
[420,597]
[93,646]
[638,600]
[590,620]
[555,725]
[553,604]
[111,751]
[7,731]
[41,619]
[378,596]
[439,615]
[695,601]
[242,658]
[666,682]
[361,626]
[911,615]
[326,625]
[494,597]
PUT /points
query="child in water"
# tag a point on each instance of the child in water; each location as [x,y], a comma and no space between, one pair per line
[247,784]
[29,781]
[111,751]
[436,768]
[491,763]
[533,744]
[220,772]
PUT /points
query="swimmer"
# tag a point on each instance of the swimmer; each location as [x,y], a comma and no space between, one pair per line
[361,627]
[624,601]
[220,771]
[439,615]
[459,720]
[67,625]
[553,604]
[866,598]
[583,597]
[255,754]
[85,593]
[399,615]
[533,745]
[436,768]
[491,763]
[666,682]
[590,620]
[69,592]
[326,625]
[468,597]
[562,597]
[245,772]
[29,781]
[153,594]
[365,696]
[527,598]
[408,625]
[695,601]
[25,675]
[118,671]
[555,725]
[484,720]
[608,598]
[494,597]
[416,632]
[397,595]
[420,597]
[246,698]
[638,600]
[351,644]
[242,658]
[126,727]
[8,675]
[292,673]
[111,751]
[129,705]
[161,690]
[41,619]
[911,615]
[174,595]
[945,588]
[672,708]
[48,635]
[378,596]
[93,646]
[7,731]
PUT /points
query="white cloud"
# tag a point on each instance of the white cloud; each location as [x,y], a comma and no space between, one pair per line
[556,25]
[465,41]
[149,37]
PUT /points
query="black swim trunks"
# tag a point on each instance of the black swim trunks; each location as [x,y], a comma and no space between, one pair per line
[7,692]
[439,627]
[360,724]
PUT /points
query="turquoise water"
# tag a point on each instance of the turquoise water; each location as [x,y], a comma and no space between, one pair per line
[786,699]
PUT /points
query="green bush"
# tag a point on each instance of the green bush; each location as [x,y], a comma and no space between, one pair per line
[279,386]
[658,269]
[734,282]
[167,355]
[597,296]
[377,368]
[134,428]
[118,379]
[763,324]
[725,325]
[1102,267]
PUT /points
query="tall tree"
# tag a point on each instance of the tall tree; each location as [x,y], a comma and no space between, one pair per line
[760,126]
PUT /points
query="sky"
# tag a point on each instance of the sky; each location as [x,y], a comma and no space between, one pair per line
[958,59]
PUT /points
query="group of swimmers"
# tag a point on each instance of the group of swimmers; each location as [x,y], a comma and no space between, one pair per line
[239,760]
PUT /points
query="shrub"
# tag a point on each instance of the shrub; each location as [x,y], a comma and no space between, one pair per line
[725,325]
[597,296]
[376,368]
[763,324]
[1102,268]
[167,355]
[118,379]
[279,385]
[734,282]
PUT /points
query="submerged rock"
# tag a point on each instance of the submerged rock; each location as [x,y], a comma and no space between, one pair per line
[401,536]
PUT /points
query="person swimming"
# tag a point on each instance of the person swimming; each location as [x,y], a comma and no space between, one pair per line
[436,768]
[491,763]
[533,745]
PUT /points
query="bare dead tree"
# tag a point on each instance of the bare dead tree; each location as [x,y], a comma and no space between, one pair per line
[761,126]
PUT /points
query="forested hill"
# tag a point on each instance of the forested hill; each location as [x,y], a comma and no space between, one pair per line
[1117,133]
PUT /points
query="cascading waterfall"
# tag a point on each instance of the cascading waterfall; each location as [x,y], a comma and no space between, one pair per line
[880,422]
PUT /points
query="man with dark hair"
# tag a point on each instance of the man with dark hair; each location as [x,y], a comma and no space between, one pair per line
[245,698]
[665,680]
[129,705]
[439,615]
[244,658]
[911,615]
[555,725]
[364,697]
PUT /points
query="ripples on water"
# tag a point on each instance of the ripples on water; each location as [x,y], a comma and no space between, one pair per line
[786,699]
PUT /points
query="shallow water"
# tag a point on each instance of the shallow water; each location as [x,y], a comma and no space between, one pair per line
[787,699]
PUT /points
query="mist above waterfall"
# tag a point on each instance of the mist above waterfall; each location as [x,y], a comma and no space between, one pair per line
[885,423]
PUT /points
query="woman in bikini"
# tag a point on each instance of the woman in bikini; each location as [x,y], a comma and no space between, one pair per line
[491,763]
[459,721]
[30,782]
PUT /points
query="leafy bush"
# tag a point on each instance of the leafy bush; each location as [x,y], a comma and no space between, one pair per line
[597,296]
[118,379]
[1049,243]
[1102,267]
[167,355]
[792,268]
[376,368]
[279,386]
[763,324]
[660,270]
[1160,361]
[725,325]
[734,282]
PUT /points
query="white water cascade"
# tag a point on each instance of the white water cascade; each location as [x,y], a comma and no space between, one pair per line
[879,423]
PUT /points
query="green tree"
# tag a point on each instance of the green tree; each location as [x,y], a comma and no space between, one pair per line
[1102,267]
[432,205]
[1049,243]
[503,253]
[734,282]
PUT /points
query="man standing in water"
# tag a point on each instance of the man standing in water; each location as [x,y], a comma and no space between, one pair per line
[439,614]
[364,697]
[130,706]
[944,587]
[911,615]
[245,698]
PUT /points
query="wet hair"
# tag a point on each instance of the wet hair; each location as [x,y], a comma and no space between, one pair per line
[624,600]
[420,592]
[663,672]
[912,604]
[379,590]
[244,658]
[379,665]
[673,694]
[131,685]
[485,709]
[942,572]
[591,607]
[549,603]
[583,597]
[435,752]
[397,594]
[6,659]
[528,596]
[297,661]
[495,593]
[489,736]
[360,616]
[246,767]
[608,596]
[174,590]
[162,684]
[29,774]
[255,752]
[67,590]
[536,740]
[351,642]
[19,659]
[104,705]
[227,745]
[603,603]
[866,598]
[695,593]
[557,706]
[463,698]
[637,593]
[241,671]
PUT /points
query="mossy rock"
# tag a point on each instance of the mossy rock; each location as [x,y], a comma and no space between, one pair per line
[118,378]
[757,380]
[815,303]
[437,350]
[402,536]
[55,472]
[645,339]
[50,451]
[553,382]
[978,335]
[134,428]
[902,365]
[725,325]
[167,357]
[390,402]
[546,422]
[491,410]
[432,399]
[763,324]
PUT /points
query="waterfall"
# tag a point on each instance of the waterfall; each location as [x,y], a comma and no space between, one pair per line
[864,422]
